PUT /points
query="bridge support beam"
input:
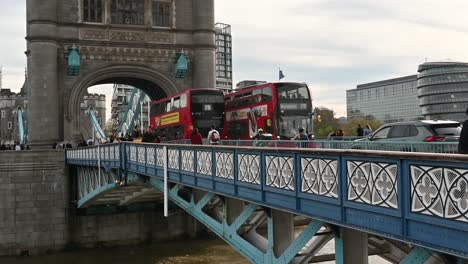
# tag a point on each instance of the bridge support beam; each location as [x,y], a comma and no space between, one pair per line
[351,246]
[283,231]
[417,256]
[233,209]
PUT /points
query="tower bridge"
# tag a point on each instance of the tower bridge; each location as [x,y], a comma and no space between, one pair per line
[405,207]
[72,45]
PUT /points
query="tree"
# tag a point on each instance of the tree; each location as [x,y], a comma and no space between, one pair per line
[324,122]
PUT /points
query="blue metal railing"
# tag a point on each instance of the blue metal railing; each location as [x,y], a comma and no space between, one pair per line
[414,197]
[405,146]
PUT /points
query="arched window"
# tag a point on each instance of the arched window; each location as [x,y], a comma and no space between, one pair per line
[128,12]
[162,11]
[92,11]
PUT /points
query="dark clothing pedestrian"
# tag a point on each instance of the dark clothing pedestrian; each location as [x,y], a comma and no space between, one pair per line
[196,138]
[463,143]
[148,136]
[360,131]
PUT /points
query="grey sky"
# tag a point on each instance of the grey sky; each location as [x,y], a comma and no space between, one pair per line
[332,45]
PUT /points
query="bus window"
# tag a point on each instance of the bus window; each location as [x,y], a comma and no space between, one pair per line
[183,101]
[178,132]
[237,129]
[266,94]
[268,126]
[168,106]
[176,103]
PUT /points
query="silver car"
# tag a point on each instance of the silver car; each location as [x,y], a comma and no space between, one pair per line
[412,136]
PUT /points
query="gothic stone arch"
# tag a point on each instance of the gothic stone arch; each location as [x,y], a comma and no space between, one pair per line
[133,44]
[155,84]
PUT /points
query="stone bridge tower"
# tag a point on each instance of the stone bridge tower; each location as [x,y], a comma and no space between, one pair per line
[134,42]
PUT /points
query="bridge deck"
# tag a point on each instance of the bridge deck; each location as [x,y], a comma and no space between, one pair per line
[413,197]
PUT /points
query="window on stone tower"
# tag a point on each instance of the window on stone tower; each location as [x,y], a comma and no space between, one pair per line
[92,11]
[3,113]
[10,125]
[162,13]
[128,12]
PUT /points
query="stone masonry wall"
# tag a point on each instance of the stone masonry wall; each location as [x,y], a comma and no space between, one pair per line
[36,218]
[33,202]
[125,228]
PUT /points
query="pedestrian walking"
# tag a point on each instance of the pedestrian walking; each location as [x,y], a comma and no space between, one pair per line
[213,136]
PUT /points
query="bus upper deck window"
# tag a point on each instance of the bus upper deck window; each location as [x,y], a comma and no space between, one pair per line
[207,107]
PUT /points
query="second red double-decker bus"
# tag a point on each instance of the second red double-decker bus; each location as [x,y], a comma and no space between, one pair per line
[279,109]
[175,117]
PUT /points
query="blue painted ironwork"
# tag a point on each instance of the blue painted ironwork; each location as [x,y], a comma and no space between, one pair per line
[73,61]
[132,114]
[417,198]
[230,232]
[97,127]
[339,254]
[181,65]
[417,256]
[21,127]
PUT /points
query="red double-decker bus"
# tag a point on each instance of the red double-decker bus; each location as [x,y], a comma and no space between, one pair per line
[175,117]
[277,108]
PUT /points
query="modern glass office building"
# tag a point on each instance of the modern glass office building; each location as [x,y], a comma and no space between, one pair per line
[223,57]
[390,100]
[443,90]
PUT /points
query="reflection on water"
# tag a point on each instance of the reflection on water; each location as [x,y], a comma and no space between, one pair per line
[190,251]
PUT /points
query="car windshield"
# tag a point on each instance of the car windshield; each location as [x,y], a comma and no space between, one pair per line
[447,130]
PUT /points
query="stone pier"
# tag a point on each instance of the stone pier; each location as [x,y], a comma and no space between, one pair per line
[36,214]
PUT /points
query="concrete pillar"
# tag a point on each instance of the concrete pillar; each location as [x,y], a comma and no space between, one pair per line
[204,75]
[193,226]
[44,100]
[283,231]
[351,247]
[233,209]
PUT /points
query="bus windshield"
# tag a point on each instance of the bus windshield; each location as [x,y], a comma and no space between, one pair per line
[294,108]
[288,125]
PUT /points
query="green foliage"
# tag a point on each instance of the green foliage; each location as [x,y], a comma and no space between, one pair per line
[350,129]
[325,123]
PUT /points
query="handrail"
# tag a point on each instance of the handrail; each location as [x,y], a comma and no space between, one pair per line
[418,198]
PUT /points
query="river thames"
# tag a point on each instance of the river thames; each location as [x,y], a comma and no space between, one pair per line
[193,251]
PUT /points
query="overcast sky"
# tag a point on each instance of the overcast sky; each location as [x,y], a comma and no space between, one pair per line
[331,45]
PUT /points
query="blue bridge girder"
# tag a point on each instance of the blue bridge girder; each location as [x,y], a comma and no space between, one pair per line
[421,199]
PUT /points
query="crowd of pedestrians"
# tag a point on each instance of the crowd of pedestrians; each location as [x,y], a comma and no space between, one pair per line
[16,146]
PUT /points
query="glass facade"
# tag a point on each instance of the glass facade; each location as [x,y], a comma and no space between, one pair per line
[223,57]
[443,90]
[389,101]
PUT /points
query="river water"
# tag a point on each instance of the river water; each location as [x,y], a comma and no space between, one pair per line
[197,251]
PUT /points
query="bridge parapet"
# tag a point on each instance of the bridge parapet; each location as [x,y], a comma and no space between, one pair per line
[414,197]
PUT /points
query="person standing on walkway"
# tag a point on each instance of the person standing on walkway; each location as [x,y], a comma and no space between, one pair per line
[367,130]
[196,138]
[463,143]
[359,131]
[213,136]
